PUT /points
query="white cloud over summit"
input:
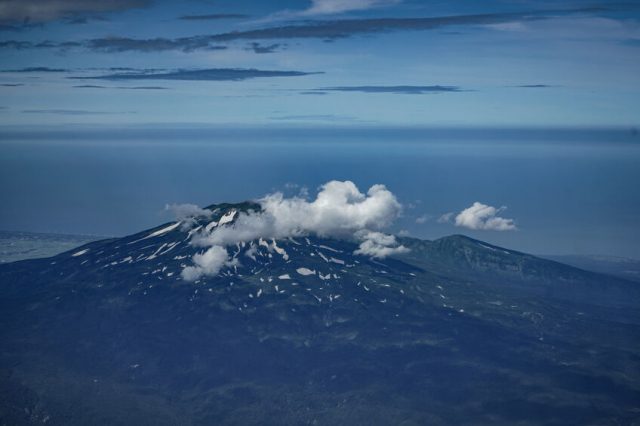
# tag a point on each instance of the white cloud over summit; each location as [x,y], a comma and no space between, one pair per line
[482,217]
[339,210]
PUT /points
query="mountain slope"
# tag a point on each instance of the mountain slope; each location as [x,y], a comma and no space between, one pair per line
[484,262]
[302,331]
[621,267]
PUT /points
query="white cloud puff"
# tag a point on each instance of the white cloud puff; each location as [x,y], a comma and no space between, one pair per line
[208,263]
[482,217]
[379,245]
[339,210]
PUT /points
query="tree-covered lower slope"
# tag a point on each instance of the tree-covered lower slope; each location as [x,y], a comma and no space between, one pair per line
[302,331]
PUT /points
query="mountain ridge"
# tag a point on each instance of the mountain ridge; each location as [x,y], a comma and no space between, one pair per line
[302,330]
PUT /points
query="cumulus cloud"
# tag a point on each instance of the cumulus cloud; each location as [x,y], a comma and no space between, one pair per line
[340,210]
[482,217]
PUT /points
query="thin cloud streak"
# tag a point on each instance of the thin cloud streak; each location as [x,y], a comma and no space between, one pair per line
[214,74]
[37,69]
[91,86]
[213,17]
[73,112]
[405,90]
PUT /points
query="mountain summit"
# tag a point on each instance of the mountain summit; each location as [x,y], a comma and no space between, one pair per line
[311,329]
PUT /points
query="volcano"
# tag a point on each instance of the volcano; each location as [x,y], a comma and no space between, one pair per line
[307,330]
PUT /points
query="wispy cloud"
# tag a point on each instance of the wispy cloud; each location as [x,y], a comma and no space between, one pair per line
[213,74]
[73,112]
[534,86]
[92,86]
[320,117]
[187,213]
[424,218]
[483,217]
[213,17]
[445,218]
[404,90]
[331,7]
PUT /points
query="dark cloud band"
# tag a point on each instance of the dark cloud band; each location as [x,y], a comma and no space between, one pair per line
[328,30]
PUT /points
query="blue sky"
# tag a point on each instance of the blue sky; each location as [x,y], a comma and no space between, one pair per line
[349,62]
